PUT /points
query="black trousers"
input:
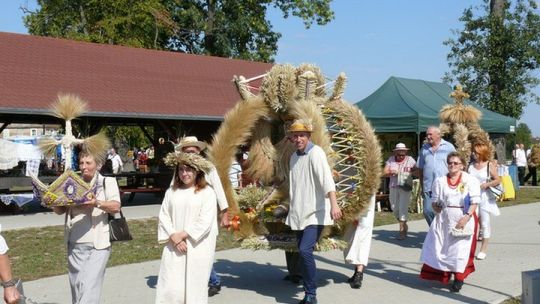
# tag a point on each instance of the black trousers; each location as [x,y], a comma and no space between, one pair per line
[532,173]
[521,175]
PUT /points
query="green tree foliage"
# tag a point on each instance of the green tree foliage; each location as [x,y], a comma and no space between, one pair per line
[496,54]
[523,134]
[226,28]
[128,137]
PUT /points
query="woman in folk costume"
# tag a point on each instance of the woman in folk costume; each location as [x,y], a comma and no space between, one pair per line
[485,171]
[188,226]
[451,240]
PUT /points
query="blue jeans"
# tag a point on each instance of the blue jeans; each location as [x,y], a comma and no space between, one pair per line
[306,240]
[429,215]
[214,278]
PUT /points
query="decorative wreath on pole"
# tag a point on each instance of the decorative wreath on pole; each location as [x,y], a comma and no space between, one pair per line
[259,121]
[461,121]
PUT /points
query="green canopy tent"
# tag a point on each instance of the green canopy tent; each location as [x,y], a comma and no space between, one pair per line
[412,105]
[404,105]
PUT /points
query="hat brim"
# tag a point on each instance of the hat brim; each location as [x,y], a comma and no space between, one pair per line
[199,144]
[401,149]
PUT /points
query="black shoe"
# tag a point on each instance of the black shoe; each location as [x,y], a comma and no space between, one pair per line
[349,280]
[296,279]
[456,286]
[356,280]
[214,290]
[308,299]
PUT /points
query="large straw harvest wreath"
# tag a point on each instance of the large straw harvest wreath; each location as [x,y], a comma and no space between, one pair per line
[259,121]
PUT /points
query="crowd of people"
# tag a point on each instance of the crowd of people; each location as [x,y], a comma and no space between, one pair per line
[455,198]
[526,162]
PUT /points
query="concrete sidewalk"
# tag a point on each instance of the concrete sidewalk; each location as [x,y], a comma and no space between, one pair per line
[391,276]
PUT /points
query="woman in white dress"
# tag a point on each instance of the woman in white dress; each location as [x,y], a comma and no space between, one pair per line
[188,226]
[485,172]
[451,240]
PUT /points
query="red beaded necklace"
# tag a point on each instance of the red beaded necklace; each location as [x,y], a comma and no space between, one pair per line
[453,185]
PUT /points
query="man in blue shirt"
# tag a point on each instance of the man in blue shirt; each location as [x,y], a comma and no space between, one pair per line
[432,164]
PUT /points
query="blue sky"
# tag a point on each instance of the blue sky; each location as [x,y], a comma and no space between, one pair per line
[368,40]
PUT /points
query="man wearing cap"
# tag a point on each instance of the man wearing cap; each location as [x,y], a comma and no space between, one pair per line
[398,167]
[313,202]
[190,144]
[432,164]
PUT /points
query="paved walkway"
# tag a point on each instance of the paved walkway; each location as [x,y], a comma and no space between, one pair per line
[391,277]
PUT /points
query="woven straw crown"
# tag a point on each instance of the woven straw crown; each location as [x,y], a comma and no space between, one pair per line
[192,160]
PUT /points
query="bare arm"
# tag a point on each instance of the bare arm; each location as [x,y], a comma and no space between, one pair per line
[335,211]
[11,294]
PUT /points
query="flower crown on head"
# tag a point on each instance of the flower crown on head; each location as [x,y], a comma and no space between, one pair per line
[193,160]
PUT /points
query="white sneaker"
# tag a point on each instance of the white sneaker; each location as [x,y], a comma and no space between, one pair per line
[481,255]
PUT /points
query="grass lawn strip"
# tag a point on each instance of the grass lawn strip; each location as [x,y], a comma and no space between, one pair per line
[40,252]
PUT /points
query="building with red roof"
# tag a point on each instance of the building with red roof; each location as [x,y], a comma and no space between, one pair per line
[122,85]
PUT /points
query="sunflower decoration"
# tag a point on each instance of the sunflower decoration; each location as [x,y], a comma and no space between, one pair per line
[260,121]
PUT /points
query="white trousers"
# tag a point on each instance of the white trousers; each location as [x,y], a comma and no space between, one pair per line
[485,222]
[400,200]
[359,238]
[86,267]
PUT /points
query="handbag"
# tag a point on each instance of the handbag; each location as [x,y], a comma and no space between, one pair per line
[118,227]
[495,192]
[404,179]
[461,233]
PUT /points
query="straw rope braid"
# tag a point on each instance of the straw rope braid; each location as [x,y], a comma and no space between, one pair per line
[359,157]
[236,129]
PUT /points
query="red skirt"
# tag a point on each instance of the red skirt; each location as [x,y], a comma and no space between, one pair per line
[430,273]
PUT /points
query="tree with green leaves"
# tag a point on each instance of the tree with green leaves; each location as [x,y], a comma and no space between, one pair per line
[226,28]
[128,137]
[495,55]
[523,134]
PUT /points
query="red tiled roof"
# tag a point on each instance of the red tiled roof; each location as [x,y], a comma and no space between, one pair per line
[115,80]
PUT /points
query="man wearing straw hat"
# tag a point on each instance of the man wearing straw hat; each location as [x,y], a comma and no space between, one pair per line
[190,144]
[313,202]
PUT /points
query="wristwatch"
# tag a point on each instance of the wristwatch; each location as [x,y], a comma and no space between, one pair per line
[9,283]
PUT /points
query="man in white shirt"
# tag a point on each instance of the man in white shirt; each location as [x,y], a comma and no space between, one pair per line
[117,164]
[521,163]
[313,202]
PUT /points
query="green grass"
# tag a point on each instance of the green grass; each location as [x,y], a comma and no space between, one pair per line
[516,300]
[40,252]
